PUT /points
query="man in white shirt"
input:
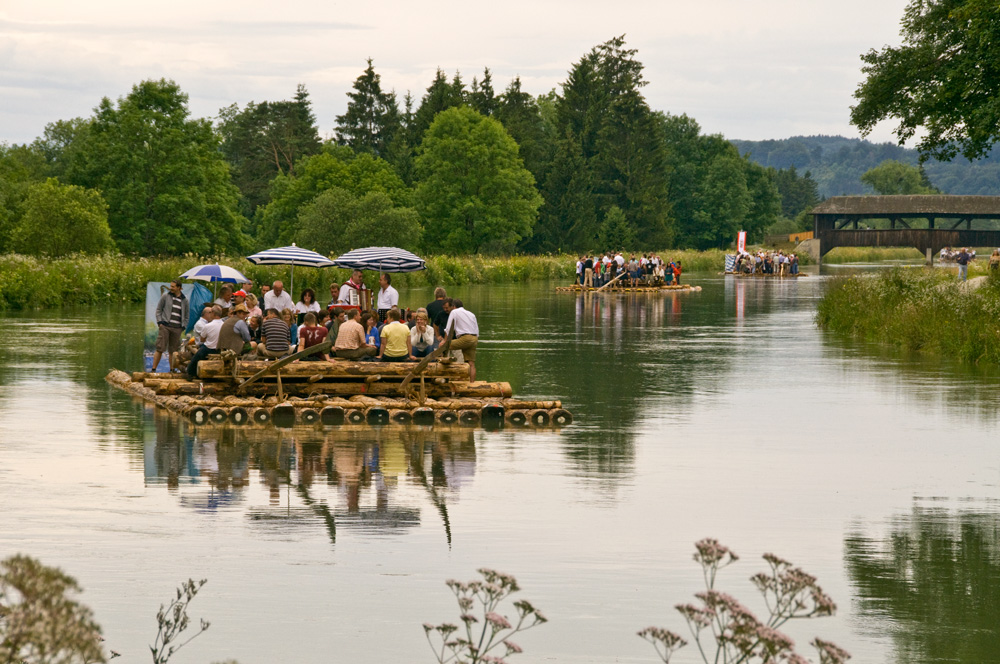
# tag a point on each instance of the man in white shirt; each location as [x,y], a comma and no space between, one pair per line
[350,292]
[620,260]
[209,342]
[388,297]
[278,298]
[463,323]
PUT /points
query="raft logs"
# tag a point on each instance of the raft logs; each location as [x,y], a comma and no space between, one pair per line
[679,288]
[336,410]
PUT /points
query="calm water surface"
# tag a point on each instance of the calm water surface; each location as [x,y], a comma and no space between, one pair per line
[724,414]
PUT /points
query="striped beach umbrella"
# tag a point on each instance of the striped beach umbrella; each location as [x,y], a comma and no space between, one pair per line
[215,272]
[382,259]
[290,256]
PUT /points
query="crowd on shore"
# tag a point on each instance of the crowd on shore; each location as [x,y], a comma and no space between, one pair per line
[767,262]
[271,326]
[612,268]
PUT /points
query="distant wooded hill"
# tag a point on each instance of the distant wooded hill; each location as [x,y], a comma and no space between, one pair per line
[837,163]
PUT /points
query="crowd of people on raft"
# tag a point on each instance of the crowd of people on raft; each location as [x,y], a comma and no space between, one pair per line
[272,326]
[612,268]
[767,262]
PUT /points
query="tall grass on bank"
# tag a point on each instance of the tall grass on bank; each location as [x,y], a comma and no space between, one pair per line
[33,283]
[842,255]
[917,309]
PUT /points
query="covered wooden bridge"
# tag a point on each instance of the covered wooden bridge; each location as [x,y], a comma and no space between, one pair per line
[928,223]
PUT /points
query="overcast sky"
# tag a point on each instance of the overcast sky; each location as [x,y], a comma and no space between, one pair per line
[749,69]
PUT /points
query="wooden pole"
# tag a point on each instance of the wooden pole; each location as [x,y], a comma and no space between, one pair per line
[422,364]
[611,282]
[319,348]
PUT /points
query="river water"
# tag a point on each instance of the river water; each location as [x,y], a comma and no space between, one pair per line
[724,413]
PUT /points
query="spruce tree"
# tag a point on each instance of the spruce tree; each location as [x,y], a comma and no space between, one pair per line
[372,119]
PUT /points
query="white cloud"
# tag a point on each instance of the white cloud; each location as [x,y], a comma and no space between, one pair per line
[745,68]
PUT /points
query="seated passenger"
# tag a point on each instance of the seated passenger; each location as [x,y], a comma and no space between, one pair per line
[234,334]
[421,335]
[293,330]
[311,335]
[396,345]
[350,343]
[225,299]
[275,335]
[371,332]
[306,304]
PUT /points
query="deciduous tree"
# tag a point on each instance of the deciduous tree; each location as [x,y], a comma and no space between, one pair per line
[162,175]
[62,219]
[942,84]
[894,178]
[336,166]
[337,221]
[472,189]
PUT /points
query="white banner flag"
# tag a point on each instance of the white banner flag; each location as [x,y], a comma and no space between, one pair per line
[741,241]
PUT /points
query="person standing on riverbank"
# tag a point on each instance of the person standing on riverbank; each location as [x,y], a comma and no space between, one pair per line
[171,321]
[963,259]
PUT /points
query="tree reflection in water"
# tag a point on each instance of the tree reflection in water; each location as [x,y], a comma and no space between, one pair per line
[346,477]
[936,579]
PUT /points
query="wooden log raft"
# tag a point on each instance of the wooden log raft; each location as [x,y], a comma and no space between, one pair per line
[335,410]
[170,386]
[215,368]
[675,288]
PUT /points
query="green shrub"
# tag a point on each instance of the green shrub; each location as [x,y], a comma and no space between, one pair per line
[917,309]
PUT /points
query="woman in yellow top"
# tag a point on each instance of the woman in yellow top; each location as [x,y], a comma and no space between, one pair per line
[396,345]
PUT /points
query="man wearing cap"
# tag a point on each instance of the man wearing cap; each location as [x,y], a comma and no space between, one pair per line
[171,320]
[278,298]
[235,334]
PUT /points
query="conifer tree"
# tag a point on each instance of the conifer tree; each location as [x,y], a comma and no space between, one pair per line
[372,119]
[482,97]
[441,95]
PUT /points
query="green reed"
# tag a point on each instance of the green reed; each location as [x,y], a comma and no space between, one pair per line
[919,310]
[28,282]
[842,255]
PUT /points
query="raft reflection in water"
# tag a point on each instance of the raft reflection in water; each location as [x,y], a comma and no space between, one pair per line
[367,478]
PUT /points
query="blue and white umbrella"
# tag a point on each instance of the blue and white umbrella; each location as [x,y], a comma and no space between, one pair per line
[215,272]
[290,256]
[383,259]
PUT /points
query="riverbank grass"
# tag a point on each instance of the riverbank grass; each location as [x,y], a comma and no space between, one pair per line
[919,310]
[28,282]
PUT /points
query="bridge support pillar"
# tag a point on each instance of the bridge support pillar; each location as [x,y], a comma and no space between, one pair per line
[930,257]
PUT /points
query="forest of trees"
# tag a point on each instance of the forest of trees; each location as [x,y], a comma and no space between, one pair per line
[837,164]
[466,168]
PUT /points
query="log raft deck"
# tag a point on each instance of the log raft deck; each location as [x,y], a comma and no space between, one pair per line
[683,288]
[928,223]
[336,393]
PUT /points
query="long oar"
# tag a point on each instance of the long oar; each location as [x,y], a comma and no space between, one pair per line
[318,348]
[437,352]
[611,282]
